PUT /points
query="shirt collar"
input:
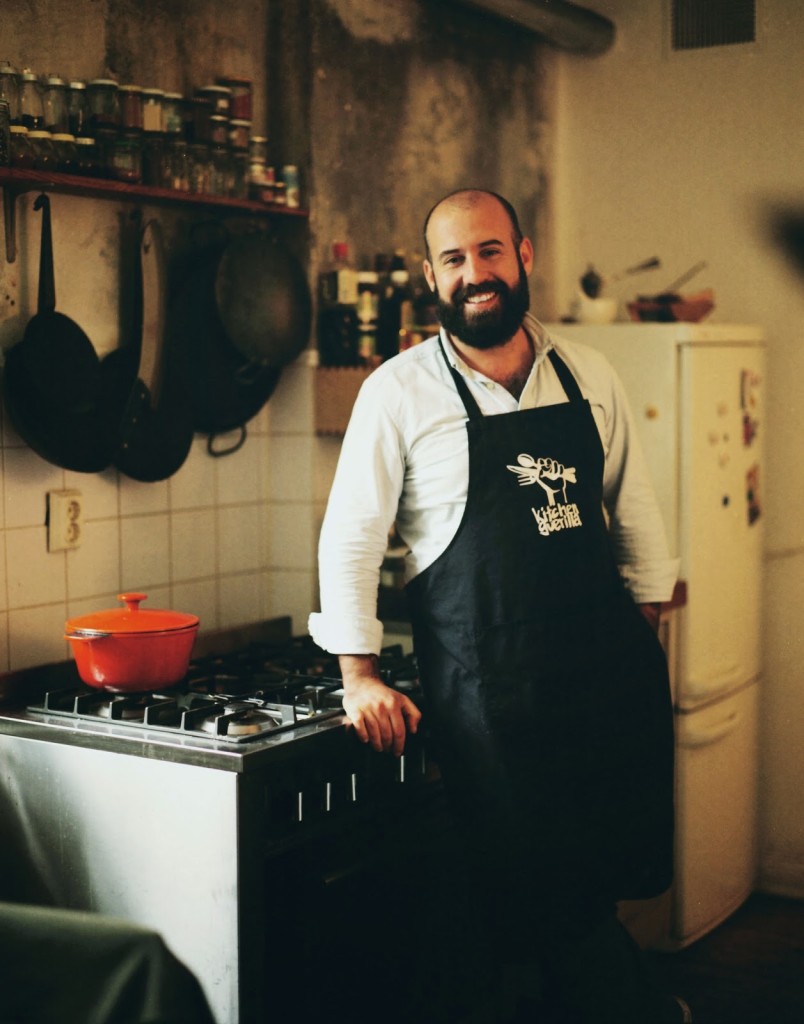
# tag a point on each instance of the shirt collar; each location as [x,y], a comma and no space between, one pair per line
[537,332]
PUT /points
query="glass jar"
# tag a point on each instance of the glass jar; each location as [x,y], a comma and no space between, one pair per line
[171,113]
[130,102]
[179,163]
[65,153]
[152,110]
[86,156]
[239,174]
[218,130]
[258,149]
[153,160]
[54,105]
[31,112]
[290,177]
[20,151]
[218,97]
[77,108]
[199,168]
[221,170]
[10,90]
[239,134]
[239,97]
[125,157]
[103,100]
[43,152]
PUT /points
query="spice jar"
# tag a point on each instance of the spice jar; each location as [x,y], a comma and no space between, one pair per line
[10,90]
[218,97]
[77,108]
[130,101]
[31,113]
[124,161]
[198,168]
[104,109]
[54,104]
[239,97]
[42,147]
[87,159]
[20,151]
[152,112]
[171,113]
[239,134]
[65,153]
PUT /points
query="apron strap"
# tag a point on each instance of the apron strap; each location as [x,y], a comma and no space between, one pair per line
[564,374]
[471,406]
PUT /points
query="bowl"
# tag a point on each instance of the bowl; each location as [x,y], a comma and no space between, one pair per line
[684,308]
[601,310]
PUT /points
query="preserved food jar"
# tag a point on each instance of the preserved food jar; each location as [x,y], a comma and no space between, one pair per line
[239,134]
[130,100]
[125,157]
[77,109]
[104,108]
[65,153]
[239,97]
[10,90]
[198,168]
[152,110]
[54,105]
[20,151]
[31,113]
[42,147]
[86,155]
[218,97]
[258,149]
[171,113]
[153,160]
[178,157]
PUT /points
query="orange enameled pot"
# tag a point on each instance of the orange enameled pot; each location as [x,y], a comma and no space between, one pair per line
[131,649]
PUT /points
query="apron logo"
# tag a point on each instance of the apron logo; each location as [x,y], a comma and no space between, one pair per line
[553,478]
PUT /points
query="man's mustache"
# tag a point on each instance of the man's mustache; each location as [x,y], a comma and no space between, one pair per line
[464,292]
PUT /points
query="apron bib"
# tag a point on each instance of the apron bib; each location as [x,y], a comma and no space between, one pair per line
[546,690]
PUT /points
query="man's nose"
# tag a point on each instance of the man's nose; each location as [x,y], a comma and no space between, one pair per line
[473,270]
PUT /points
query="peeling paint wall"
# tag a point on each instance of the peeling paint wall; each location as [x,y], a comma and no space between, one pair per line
[384,105]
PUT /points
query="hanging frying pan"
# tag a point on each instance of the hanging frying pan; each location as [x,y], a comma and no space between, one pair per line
[53,385]
[156,429]
[263,299]
[227,389]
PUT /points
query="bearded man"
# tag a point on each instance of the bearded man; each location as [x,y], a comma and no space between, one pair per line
[537,562]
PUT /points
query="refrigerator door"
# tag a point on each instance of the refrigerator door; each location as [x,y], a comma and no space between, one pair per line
[720,520]
[716,804]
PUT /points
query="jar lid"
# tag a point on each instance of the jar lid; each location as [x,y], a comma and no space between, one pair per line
[55,80]
[133,619]
[219,90]
[7,68]
[238,123]
[78,85]
[154,93]
[219,118]
[63,137]
[18,129]
[173,96]
[84,140]
[28,76]
[104,83]
[39,133]
[258,139]
[233,80]
[130,88]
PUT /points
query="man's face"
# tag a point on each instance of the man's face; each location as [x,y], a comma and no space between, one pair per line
[478,272]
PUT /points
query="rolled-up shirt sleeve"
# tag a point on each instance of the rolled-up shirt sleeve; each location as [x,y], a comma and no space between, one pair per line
[635,523]
[360,511]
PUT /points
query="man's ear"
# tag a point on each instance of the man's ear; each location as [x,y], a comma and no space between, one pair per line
[526,254]
[427,267]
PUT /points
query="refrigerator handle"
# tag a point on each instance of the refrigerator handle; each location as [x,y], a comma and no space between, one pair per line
[704,736]
[726,679]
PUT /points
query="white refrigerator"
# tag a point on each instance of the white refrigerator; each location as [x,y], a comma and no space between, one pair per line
[696,392]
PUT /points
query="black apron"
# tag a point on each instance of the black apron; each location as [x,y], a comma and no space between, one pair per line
[546,690]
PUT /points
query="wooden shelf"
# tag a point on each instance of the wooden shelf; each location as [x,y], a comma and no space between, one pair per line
[15,182]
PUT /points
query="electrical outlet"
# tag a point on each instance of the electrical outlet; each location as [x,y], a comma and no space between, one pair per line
[65,520]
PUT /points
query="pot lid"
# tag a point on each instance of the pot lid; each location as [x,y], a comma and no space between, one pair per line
[133,619]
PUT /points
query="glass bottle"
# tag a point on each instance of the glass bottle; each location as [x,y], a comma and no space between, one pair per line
[104,109]
[130,101]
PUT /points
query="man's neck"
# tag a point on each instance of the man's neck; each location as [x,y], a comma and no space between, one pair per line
[509,364]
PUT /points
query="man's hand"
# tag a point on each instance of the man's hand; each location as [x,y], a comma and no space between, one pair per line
[380,716]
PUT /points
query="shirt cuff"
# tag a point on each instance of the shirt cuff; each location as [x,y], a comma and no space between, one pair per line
[342,636]
[651,582]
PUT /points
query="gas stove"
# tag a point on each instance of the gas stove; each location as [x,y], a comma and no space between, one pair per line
[241,694]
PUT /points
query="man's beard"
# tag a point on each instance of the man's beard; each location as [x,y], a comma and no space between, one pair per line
[492,327]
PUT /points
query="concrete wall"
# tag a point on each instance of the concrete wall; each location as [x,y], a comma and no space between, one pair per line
[682,155]
[384,105]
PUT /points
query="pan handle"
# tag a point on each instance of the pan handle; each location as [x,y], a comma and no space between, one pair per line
[235,446]
[86,634]
[47,281]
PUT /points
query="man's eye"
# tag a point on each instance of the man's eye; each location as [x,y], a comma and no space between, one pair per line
[487,253]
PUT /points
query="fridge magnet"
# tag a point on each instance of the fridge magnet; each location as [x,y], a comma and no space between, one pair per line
[752,494]
[749,402]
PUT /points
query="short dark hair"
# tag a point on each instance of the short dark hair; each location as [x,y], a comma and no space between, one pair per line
[516,231]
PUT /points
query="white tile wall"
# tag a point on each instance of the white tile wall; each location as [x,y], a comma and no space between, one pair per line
[229,539]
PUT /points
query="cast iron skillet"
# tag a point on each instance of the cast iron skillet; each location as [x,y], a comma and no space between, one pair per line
[227,388]
[54,389]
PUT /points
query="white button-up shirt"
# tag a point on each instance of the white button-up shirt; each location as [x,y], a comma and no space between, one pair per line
[405,460]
